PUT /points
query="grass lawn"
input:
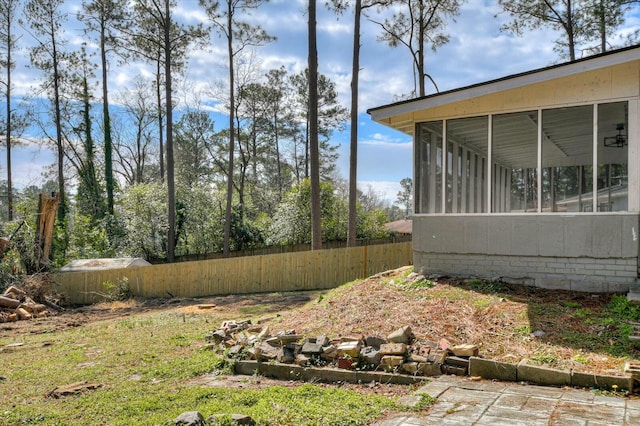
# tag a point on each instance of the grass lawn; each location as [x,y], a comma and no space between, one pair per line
[149,357]
[145,363]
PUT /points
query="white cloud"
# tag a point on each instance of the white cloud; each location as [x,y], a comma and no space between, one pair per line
[477,52]
[387,190]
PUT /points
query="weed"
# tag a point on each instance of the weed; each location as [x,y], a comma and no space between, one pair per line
[571,304]
[525,329]
[120,290]
[544,358]
[452,409]
[408,272]
[486,286]
[622,310]
[482,303]
[426,401]
[582,313]
[580,359]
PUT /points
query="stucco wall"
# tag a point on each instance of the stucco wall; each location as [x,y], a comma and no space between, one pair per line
[577,252]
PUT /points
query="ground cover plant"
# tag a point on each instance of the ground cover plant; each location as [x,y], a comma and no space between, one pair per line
[150,363]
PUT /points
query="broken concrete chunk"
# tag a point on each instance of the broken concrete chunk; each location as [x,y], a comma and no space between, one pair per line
[288,338]
[350,348]
[429,369]
[437,356]
[416,358]
[452,369]
[393,349]
[322,340]
[302,360]
[273,341]
[464,350]
[253,353]
[457,361]
[370,355]
[421,369]
[329,353]
[310,348]
[410,367]
[266,351]
[374,341]
[390,362]
[235,350]
[401,335]
[286,356]
[264,333]
[216,336]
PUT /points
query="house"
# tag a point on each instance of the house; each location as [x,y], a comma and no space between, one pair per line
[533,178]
[399,227]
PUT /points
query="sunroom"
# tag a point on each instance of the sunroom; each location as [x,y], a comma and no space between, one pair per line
[532,178]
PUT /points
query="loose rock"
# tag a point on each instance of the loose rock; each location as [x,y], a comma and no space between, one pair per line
[192,418]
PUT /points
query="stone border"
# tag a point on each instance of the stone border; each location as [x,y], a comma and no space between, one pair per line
[479,367]
[322,374]
[524,371]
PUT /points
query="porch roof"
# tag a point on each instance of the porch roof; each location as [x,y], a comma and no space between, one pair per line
[399,115]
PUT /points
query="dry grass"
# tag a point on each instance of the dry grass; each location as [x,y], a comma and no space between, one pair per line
[579,331]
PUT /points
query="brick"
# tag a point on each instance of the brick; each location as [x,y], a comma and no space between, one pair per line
[390,362]
[351,349]
[393,349]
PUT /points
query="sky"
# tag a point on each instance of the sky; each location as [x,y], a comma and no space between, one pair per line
[477,51]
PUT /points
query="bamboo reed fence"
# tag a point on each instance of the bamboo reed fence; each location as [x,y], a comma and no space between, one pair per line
[309,270]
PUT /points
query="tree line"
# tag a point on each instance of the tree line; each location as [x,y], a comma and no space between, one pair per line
[154,180]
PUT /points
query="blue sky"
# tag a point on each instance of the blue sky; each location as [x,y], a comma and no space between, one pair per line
[477,52]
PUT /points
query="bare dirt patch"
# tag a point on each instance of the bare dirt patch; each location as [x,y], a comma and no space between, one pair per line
[235,305]
[508,323]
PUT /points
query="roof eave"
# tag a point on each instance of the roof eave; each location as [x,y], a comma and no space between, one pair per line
[383,114]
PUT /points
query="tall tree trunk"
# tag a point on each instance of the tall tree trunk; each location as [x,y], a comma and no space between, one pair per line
[160,127]
[603,27]
[353,155]
[570,34]
[9,183]
[171,237]
[278,165]
[421,72]
[316,217]
[227,215]
[108,144]
[62,207]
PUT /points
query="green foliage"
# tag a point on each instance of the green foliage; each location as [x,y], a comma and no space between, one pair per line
[484,286]
[544,358]
[370,224]
[244,233]
[142,212]
[120,290]
[200,221]
[88,239]
[622,310]
[291,223]
[425,402]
